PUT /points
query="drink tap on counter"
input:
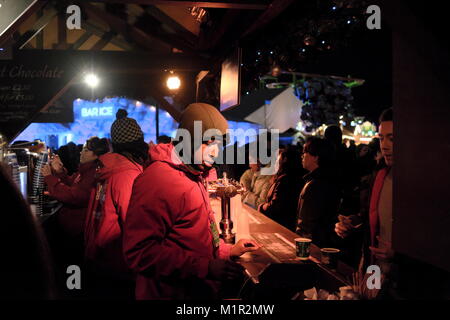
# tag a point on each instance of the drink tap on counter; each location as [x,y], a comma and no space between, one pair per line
[225,189]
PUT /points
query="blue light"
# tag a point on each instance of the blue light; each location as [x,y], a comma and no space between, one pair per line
[1,49]
[348,22]
[94,118]
[334,8]
[242,139]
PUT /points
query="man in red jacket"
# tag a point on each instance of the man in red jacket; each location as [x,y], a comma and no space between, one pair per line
[170,237]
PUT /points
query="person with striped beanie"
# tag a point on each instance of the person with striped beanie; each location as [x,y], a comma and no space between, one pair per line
[110,276]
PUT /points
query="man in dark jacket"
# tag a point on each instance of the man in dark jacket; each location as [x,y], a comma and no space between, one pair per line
[375,218]
[320,197]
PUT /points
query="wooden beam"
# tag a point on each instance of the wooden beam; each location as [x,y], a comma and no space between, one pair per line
[172,24]
[103,41]
[172,110]
[203,4]
[274,9]
[62,32]
[75,79]
[40,35]
[80,41]
[35,6]
[122,27]
[89,27]
[38,26]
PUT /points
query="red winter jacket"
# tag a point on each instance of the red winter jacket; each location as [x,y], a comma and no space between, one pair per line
[106,213]
[167,238]
[74,192]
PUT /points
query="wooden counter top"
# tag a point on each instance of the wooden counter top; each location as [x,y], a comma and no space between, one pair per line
[278,242]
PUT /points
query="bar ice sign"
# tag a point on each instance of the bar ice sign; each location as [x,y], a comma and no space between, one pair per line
[97,112]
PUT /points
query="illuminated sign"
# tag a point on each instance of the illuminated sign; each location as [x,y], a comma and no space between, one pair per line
[97,112]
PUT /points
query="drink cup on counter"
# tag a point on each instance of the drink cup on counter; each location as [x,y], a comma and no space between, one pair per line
[330,257]
[302,246]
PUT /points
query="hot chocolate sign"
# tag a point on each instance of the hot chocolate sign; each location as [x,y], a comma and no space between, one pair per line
[20,71]
[27,84]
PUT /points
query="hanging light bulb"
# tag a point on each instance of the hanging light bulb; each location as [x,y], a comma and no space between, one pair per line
[91,80]
[173,83]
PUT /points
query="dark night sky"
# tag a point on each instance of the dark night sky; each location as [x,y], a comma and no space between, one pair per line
[364,54]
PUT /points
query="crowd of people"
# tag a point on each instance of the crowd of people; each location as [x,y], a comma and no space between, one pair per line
[338,196]
[138,221]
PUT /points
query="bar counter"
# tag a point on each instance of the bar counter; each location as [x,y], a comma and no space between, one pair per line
[278,253]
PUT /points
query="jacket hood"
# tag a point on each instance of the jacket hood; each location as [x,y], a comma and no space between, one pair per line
[165,152]
[113,163]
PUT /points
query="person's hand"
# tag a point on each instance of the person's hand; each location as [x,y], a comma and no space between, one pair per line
[344,227]
[243,246]
[342,230]
[263,207]
[46,170]
[219,269]
[384,250]
[57,165]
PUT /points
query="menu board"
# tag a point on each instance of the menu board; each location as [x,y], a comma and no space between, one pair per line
[27,83]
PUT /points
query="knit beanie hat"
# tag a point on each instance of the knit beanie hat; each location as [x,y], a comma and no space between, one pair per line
[210,118]
[124,129]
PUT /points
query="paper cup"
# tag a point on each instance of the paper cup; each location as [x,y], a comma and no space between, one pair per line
[330,257]
[302,246]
